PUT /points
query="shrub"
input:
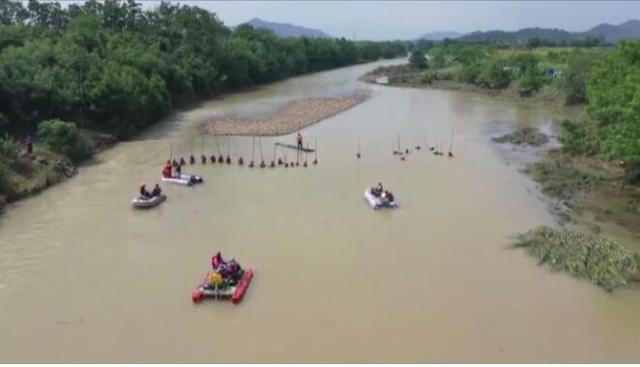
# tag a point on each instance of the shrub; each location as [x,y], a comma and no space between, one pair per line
[9,147]
[495,75]
[65,138]
[602,261]
[5,182]
[579,137]
[469,73]
[530,82]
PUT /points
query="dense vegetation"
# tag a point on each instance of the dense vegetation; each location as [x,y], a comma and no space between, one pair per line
[602,261]
[556,74]
[113,67]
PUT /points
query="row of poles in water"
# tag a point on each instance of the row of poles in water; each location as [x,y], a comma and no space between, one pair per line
[437,150]
[220,159]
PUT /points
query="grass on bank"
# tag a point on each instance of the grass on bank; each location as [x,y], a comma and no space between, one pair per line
[526,136]
[602,261]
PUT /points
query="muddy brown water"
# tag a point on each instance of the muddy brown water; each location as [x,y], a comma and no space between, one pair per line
[84,278]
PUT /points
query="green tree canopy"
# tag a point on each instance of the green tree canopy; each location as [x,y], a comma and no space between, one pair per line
[614,102]
[418,59]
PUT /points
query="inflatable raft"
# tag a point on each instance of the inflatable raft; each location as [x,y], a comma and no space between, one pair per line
[377,202]
[140,202]
[234,292]
[184,179]
[291,146]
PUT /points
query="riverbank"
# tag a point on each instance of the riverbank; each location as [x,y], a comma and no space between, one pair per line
[28,175]
[25,174]
[440,79]
[598,212]
[292,117]
[31,178]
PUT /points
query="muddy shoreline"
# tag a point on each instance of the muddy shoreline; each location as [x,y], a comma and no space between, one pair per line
[596,209]
[290,118]
[36,173]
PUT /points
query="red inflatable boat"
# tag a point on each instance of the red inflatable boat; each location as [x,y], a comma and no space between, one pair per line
[222,284]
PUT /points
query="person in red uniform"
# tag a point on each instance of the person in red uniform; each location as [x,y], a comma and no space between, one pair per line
[157,191]
[299,140]
[216,261]
[166,170]
[29,144]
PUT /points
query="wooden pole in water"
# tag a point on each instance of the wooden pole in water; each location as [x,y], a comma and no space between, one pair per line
[240,159]
[358,155]
[398,135]
[305,156]
[451,145]
[273,160]
[203,159]
[213,158]
[253,148]
[262,165]
[315,160]
[220,159]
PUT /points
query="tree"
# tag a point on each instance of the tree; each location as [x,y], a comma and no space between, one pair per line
[115,66]
[613,90]
[579,68]
[533,42]
[418,60]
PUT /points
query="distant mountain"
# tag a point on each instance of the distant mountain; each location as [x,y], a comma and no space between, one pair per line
[288,30]
[440,35]
[606,32]
[613,33]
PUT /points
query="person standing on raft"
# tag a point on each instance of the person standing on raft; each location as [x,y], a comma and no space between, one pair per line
[300,141]
[166,170]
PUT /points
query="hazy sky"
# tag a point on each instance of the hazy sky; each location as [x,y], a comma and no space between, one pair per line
[408,19]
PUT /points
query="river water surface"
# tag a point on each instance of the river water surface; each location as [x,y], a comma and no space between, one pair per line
[84,278]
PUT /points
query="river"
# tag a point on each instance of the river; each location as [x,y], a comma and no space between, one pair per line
[85,278]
